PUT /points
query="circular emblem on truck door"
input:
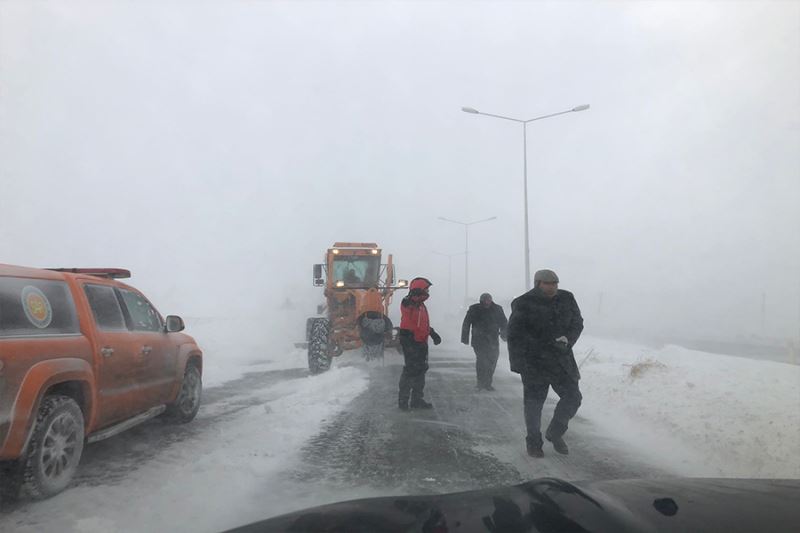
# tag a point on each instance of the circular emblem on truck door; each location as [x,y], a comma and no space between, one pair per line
[37,307]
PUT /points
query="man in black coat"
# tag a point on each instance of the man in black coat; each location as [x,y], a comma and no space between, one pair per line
[545,324]
[488,321]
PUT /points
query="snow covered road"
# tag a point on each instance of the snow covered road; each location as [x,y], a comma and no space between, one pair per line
[469,440]
[212,474]
[276,439]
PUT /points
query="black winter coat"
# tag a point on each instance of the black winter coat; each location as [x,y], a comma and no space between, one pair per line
[486,323]
[536,322]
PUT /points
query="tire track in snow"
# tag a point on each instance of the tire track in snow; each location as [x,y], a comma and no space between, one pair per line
[469,440]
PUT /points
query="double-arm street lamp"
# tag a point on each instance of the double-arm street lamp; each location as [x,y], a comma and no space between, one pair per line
[466,248]
[449,275]
[525,170]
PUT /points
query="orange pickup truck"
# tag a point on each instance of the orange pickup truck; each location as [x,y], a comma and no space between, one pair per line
[82,358]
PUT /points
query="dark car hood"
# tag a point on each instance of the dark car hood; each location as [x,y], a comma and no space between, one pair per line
[551,505]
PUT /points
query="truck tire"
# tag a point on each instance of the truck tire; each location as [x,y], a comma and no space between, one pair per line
[309,323]
[55,447]
[186,405]
[373,328]
[10,482]
[319,358]
[373,351]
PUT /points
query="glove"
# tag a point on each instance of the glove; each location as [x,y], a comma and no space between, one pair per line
[465,341]
[437,340]
[563,339]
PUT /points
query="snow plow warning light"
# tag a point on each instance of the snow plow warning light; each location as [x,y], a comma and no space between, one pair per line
[374,252]
[335,252]
[340,283]
[402,283]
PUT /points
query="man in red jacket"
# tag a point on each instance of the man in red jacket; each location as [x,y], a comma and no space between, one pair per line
[415,329]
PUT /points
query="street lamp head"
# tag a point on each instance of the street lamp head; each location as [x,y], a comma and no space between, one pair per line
[583,107]
[470,110]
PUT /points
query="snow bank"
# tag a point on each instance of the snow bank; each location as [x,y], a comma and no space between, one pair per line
[698,413]
[208,483]
[234,347]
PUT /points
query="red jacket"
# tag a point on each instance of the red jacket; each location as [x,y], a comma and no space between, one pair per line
[413,313]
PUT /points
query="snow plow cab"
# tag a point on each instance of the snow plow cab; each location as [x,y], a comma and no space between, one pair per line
[358,291]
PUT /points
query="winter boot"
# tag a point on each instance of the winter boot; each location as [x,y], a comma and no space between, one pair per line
[534,447]
[403,405]
[420,404]
[555,434]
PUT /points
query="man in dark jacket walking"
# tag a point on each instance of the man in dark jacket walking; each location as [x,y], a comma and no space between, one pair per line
[487,321]
[545,324]
[414,332]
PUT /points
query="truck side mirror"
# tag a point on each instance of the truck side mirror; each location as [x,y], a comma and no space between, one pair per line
[174,324]
[318,279]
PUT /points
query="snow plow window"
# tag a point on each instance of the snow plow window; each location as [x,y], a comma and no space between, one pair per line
[32,307]
[356,271]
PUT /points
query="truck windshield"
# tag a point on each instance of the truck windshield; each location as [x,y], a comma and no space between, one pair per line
[356,270]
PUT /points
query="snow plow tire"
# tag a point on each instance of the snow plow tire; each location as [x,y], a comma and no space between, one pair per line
[319,359]
[373,352]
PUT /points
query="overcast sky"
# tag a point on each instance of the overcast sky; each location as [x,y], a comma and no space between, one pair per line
[218,148]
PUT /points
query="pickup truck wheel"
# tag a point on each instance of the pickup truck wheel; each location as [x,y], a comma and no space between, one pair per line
[10,482]
[188,401]
[55,448]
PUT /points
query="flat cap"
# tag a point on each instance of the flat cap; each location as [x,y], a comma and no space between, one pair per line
[547,276]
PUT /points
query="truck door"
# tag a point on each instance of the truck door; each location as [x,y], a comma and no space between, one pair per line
[158,352]
[118,355]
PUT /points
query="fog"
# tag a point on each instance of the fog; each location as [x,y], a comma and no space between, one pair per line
[217,149]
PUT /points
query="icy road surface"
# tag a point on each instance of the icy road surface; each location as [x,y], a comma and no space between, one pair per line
[469,440]
[278,440]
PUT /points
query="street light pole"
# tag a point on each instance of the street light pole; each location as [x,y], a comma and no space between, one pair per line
[525,196]
[466,248]
[524,123]
[466,262]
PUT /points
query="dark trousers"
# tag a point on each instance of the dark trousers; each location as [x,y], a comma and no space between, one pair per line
[486,355]
[535,389]
[412,380]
